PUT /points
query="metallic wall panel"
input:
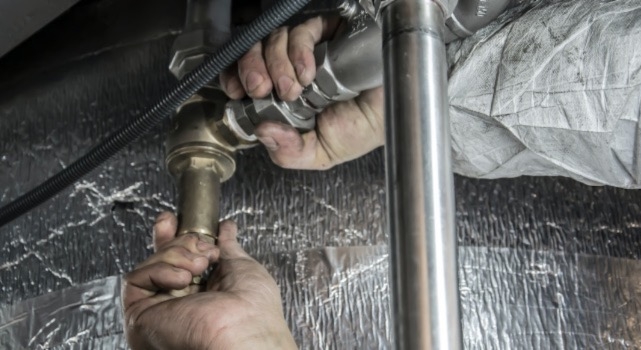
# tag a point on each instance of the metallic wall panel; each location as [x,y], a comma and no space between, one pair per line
[100,227]
[337,298]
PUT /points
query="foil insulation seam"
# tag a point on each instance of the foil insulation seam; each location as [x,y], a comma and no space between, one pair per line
[337,298]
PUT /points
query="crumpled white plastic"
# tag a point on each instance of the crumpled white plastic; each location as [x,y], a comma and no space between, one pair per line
[551,89]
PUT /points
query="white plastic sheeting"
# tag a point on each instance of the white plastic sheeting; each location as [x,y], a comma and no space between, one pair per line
[553,91]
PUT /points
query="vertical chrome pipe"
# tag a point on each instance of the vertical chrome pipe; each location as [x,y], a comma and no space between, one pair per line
[423,248]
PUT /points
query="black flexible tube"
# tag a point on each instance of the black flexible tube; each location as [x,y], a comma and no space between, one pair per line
[186,87]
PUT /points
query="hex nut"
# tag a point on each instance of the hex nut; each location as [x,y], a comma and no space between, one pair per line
[189,51]
[326,79]
[270,108]
[241,117]
[301,109]
[315,97]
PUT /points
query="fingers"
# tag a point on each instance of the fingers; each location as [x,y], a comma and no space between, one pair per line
[164,229]
[239,273]
[289,149]
[186,252]
[171,268]
[253,74]
[302,40]
[230,82]
[280,67]
[285,62]
[145,282]
[227,242]
[344,131]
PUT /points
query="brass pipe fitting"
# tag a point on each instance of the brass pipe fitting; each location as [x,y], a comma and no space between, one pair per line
[200,156]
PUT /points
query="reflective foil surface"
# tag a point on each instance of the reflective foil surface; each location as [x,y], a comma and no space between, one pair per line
[544,262]
[337,298]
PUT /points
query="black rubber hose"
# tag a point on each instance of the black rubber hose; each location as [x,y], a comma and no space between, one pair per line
[229,53]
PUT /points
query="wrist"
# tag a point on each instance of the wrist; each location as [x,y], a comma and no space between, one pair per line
[264,334]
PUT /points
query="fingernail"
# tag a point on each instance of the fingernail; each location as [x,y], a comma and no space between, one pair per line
[269,143]
[300,70]
[284,84]
[253,81]
[203,246]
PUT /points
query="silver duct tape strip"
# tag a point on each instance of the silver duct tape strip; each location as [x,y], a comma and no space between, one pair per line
[77,316]
[337,298]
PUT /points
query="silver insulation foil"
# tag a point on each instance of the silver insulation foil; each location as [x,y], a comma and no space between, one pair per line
[337,298]
[554,90]
[544,262]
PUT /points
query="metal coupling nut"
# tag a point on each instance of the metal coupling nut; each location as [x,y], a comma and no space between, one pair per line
[243,116]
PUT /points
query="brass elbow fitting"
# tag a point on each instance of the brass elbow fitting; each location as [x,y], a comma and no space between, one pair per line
[200,156]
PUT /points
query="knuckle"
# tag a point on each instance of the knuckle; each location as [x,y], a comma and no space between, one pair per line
[250,60]
[277,66]
[175,253]
[225,77]
[129,276]
[296,52]
[277,35]
[263,90]
[190,239]
[183,276]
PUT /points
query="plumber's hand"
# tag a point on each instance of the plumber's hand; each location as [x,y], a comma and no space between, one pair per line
[344,131]
[240,308]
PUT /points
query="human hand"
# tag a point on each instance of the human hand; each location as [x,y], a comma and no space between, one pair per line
[344,131]
[239,309]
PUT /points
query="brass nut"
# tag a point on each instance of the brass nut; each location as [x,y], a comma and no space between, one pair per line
[201,157]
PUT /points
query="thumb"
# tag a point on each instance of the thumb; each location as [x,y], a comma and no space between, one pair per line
[227,242]
[344,131]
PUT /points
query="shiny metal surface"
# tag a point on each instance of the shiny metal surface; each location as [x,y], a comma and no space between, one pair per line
[245,115]
[200,155]
[419,178]
[207,26]
[352,62]
[198,204]
[337,298]
[346,65]
[472,15]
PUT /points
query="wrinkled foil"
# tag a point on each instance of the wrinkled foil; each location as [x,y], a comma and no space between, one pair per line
[318,232]
[555,92]
[337,298]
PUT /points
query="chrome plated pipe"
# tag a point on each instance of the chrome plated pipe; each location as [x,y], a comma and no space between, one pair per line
[425,304]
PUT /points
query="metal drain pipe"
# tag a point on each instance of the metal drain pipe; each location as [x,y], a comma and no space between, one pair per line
[425,304]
